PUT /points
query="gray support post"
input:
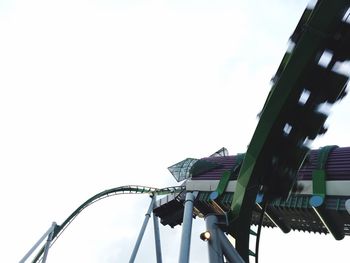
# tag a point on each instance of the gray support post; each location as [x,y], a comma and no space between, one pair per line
[157,239]
[230,252]
[48,242]
[186,229]
[214,246]
[142,231]
[47,233]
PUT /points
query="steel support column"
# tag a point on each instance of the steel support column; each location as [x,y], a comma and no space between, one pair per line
[214,246]
[229,251]
[48,242]
[186,229]
[142,231]
[157,239]
[48,233]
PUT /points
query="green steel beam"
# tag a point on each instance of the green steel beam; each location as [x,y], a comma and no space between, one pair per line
[278,148]
[225,178]
[317,201]
[319,175]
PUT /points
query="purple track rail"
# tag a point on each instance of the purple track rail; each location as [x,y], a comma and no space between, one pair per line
[337,166]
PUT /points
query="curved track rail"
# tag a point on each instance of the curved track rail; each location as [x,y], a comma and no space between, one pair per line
[129,189]
[292,115]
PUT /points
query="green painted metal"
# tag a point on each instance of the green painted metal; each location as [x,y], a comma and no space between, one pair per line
[226,175]
[279,144]
[317,201]
[225,178]
[319,175]
[252,232]
[251,253]
[239,161]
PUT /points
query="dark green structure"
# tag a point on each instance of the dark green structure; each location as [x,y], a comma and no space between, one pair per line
[292,116]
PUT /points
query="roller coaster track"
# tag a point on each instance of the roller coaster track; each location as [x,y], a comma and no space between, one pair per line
[306,80]
[129,189]
[292,114]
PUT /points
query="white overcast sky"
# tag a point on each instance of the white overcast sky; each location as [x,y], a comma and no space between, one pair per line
[96,94]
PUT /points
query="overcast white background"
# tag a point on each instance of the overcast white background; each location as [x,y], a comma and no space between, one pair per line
[99,94]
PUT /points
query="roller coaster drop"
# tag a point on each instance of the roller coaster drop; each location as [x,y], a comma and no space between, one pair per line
[278,182]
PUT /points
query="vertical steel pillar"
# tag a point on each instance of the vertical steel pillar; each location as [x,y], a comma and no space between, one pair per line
[47,234]
[214,246]
[157,239]
[142,231]
[230,252]
[48,242]
[186,229]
